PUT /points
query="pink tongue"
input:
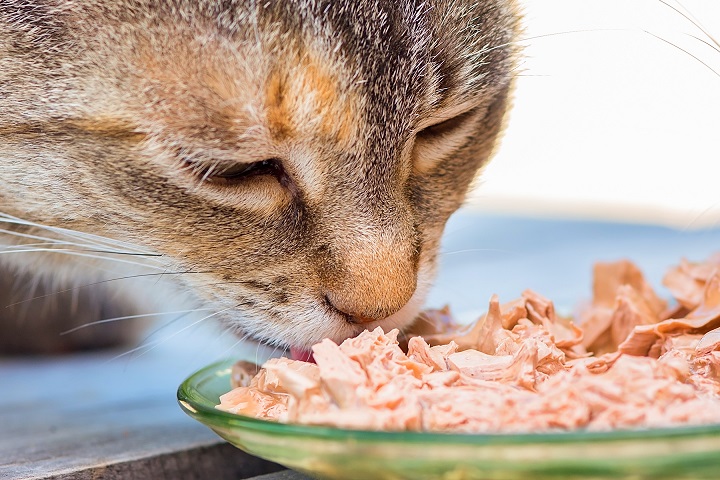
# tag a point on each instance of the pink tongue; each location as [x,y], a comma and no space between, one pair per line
[302,355]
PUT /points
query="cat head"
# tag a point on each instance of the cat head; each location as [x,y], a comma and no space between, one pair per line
[300,157]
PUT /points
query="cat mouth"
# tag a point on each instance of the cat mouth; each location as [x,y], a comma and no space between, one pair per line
[302,354]
[401,319]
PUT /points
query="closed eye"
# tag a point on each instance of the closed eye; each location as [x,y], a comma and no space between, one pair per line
[437,142]
[240,172]
[446,127]
[271,166]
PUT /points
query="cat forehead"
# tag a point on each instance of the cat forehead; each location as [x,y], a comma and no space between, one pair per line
[357,74]
[307,94]
[302,58]
[219,91]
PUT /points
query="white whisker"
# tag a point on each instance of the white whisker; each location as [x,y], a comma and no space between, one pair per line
[36,237]
[139,347]
[128,317]
[163,340]
[90,239]
[522,41]
[99,282]
[698,216]
[85,245]
[232,347]
[37,244]
[86,255]
[257,353]
[167,324]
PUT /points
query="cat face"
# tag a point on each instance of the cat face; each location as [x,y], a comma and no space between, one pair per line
[301,157]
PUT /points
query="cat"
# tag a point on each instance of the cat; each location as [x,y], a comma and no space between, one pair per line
[292,163]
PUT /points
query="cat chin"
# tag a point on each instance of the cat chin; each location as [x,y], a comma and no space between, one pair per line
[401,319]
[303,334]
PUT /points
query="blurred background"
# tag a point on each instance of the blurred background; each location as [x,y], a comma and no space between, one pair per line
[610,121]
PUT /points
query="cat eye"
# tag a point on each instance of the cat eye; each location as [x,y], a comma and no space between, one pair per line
[435,142]
[445,127]
[242,171]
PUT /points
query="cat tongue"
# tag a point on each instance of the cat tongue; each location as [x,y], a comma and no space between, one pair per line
[302,355]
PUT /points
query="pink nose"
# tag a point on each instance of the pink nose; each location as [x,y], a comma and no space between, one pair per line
[372,274]
[372,314]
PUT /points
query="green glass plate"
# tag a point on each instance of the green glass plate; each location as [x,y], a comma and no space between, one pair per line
[677,453]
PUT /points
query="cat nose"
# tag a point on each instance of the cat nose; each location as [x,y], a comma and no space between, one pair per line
[369,274]
[373,296]
[351,318]
[367,310]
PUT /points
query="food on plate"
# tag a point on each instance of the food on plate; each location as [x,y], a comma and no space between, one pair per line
[631,361]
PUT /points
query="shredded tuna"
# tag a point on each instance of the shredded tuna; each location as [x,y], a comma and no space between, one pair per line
[630,362]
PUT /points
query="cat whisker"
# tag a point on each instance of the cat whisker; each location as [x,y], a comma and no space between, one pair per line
[82,254]
[710,43]
[684,51]
[521,42]
[235,344]
[155,343]
[701,214]
[133,350]
[128,317]
[257,353]
[23,248]
[167,324]
[37,244]
[275,349]
[91,240]
[685,13]
[99,282]
[31,247]
[83,250]
[38,237]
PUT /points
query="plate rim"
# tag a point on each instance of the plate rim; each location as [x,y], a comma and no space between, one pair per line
[221,419]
